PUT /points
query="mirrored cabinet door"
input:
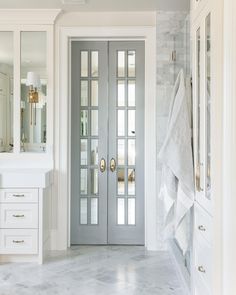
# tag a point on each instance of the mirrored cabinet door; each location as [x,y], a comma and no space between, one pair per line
[6,91]
[202,111]
[33,91]
[208,103]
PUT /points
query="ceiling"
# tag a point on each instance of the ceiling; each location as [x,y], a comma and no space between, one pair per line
[100,5]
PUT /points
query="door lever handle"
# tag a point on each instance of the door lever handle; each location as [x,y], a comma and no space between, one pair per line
[113,165]
[103,165]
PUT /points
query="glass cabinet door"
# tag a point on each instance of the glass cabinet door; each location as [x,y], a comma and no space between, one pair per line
[199,179]
[6,91]
[208,103]
[33,91]
[202,96]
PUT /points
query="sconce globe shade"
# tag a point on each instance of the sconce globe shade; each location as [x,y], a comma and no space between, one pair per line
[33,79]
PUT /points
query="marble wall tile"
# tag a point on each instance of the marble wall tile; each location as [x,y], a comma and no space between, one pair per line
[172,34]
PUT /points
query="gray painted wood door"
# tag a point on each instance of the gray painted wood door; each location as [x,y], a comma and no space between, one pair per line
[107,151]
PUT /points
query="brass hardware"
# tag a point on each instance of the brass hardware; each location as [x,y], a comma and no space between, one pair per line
[103,165]
[18,196]
[201,269]
[18,242]
[202,228]
[198,178]
[198,182]
[18,216]
[113,165]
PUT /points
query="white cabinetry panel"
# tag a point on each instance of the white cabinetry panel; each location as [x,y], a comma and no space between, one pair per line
[18,195]
[18,241]
[18,215]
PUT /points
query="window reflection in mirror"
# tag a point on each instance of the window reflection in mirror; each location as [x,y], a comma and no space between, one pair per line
[6,91]
[33,92]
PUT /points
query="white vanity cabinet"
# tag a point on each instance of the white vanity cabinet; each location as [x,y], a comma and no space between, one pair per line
[202,22]
[25,214]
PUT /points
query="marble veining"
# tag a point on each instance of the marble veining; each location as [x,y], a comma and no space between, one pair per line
[88,270]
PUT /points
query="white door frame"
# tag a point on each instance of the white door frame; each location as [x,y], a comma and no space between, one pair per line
[62,109]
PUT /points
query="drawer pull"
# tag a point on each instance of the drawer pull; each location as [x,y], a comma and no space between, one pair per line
[18,242]
[201,269]
[18,216]
[18,196]
[201,228]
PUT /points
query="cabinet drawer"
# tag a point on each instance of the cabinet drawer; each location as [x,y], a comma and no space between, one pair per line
[18,241]
[18,195]
[18,215]
[200,287]
[203,262]
[203,223]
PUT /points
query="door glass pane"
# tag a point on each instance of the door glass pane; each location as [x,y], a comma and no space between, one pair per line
[120,211]
[131,122]
[121,181]
[83,151]
[94,63]
[121,63]
[6,92]
[94,93]
[131,152]
[131,211]
[94,211]
[131,93]
[83,211]
[84,63]
[208,101]
[94,181]
[83,181]
[84,93]
[121,122]
[84,123]
[94,152]
[131,63]
[131,181]
[121,93]
[198,55]
[94,122]
[121,151]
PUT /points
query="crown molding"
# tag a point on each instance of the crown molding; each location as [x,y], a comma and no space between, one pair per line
[29,16]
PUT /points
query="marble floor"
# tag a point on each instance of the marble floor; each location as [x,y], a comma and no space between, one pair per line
[100,270]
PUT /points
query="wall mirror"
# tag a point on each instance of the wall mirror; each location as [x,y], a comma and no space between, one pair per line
[6,91]
[33,91]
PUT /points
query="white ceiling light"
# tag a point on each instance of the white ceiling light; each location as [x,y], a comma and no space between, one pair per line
[69,2]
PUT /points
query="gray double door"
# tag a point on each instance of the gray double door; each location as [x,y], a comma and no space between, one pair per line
[107,142]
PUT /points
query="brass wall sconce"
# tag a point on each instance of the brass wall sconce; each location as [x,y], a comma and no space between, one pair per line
[33,81]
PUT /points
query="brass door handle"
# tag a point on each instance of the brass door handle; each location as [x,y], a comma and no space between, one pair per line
[103,165]
[113,165]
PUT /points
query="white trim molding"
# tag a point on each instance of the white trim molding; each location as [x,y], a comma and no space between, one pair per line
[29,16]
[229,150]
[62,145]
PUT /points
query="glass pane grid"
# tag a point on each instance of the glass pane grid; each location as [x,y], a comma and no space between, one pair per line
[89,136]
[126,137]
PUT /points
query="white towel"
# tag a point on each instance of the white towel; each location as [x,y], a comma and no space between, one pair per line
[177,185]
